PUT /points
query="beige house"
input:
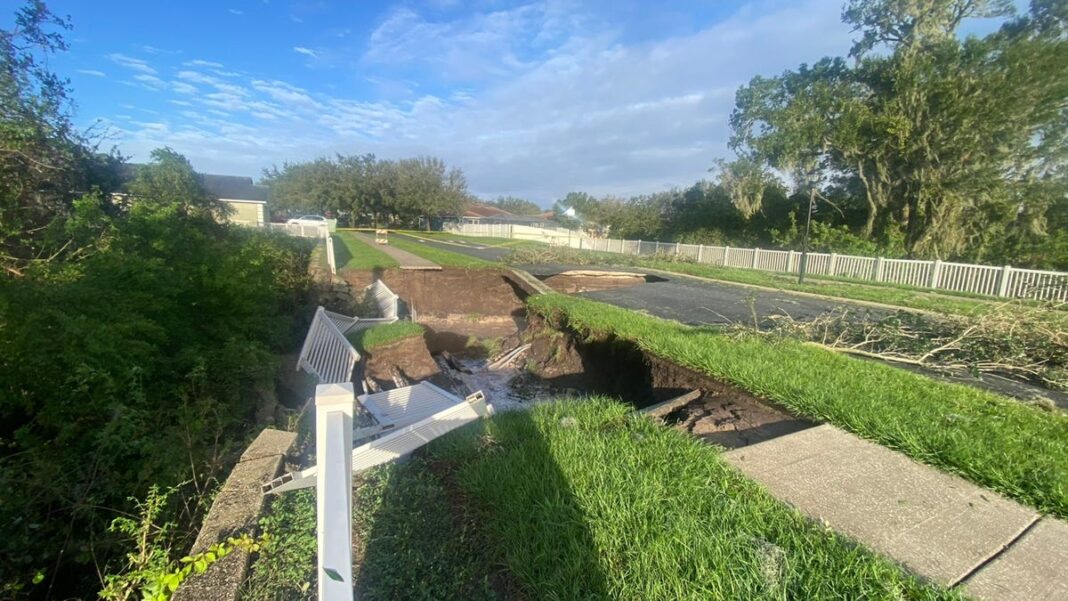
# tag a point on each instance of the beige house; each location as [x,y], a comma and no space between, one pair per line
[247,201]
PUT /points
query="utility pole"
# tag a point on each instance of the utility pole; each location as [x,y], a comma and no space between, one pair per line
[804,243]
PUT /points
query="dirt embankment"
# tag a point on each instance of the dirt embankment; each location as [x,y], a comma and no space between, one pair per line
[458,307]
[724,414]
[408,359]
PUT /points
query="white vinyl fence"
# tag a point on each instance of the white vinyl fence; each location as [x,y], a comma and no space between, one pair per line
[1004,281]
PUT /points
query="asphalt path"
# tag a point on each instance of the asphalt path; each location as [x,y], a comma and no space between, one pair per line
[688,300]
[713,303]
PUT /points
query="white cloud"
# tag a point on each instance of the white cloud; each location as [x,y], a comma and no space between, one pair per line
[587,112]
[135,64]
[92,72]
[305,51]
[234,11]
[202,63]
[183,88]
[150,81]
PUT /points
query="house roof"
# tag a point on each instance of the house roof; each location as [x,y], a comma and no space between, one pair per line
[233,187]
[225,187]
[480,210]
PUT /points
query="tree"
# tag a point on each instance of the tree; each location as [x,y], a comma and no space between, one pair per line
[946,137]
[45,164]
[168,184]
[517,206]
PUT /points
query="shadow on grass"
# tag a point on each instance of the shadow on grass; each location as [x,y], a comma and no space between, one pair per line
[485,513]
[342,254]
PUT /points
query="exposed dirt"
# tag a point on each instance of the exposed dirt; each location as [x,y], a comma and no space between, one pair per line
[408,357]
[571,282]
[724,414]
[448,292]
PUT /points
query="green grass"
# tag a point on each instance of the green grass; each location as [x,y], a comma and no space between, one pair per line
[1017,450]
[441,257]
[352,253]
[479,240]
[365,340]
[884,293]
[586,500]
[406,543]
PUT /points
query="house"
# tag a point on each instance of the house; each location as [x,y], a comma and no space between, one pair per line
[247,200]
[480,213]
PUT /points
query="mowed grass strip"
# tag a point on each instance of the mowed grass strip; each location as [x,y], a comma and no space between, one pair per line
[432,253]
[583,499]
[353,253]
[384,334]
[1017,450]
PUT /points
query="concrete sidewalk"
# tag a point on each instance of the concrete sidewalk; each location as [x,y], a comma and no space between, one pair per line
[939,526]
[404,259]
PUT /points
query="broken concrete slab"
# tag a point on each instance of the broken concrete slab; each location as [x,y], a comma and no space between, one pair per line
[936,524]
[1034,568]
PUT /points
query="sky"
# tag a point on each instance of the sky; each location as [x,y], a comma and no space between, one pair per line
[530,99]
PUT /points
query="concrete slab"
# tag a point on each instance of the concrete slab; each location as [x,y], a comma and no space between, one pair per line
[236,510]
[939,526]
[1034,568]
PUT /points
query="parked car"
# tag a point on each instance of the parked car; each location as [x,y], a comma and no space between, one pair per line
[307,220]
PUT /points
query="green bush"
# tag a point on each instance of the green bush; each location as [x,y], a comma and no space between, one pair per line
[133,367]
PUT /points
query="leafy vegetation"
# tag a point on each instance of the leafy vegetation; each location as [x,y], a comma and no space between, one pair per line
[922,143]
[365,340]
[1017,450]
[365,190]
[134,333]
[137,365]
[151,573]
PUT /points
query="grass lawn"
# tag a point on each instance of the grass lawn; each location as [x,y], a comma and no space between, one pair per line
[384,334]
[437,255]
[889,294]
[579,500]
[352,253]
[479,240]
[1017,450]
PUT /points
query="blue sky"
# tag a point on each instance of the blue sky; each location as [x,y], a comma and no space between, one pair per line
[531,99]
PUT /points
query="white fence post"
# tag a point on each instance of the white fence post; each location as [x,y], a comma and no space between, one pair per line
[333,489]
[638,248]
[878,277]
[1003,280]
[790,262]
[936,274]
[676,249]
[832,265]
[756,257]
[726,256]
[700,252]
